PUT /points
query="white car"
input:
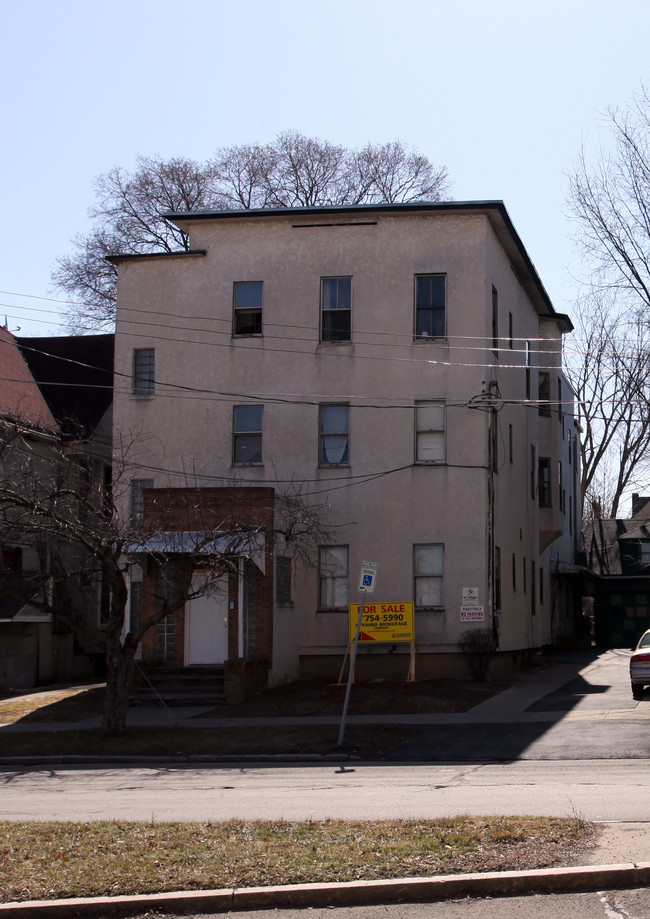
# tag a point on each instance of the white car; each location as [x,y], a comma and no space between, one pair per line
[640,666]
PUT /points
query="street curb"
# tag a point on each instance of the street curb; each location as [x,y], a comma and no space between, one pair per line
[354,893]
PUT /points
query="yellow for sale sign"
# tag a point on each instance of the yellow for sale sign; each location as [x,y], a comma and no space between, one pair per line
[389,622]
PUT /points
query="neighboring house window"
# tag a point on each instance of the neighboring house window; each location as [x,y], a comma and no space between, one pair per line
[428,576]
[429,432]
[137,500]
[247,308]
[429,306]
[544,481]
[560,403]
[247,434]
[336,309]
[283,580]
[495,321]
[510,332]
[334,435]
[544,393]
[514,573]
[511,444]
[144,371]
[333,577]
[527,365]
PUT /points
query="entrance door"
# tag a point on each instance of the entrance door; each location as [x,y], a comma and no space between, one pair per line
[206,623]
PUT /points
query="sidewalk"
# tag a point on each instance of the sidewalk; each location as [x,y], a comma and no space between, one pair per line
[619,858]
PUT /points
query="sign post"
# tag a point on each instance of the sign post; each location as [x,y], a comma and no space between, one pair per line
[366,585]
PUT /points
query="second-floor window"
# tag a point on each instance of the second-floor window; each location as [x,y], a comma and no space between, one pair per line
[336,309]
[430,432]
[544,389]
[429,306]
[334,435]
[144,371]
[544,481]
[247,434]
[247,308]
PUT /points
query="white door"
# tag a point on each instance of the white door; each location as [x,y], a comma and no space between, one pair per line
[206,623]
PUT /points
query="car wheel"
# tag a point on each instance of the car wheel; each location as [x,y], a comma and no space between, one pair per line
[637,691]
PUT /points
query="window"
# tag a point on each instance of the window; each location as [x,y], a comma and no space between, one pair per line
[533,595]
[544,481]
[533,471]
[333,577]
[497,578]
[560,403]
[283,580]
[137,500]
[430,432]
[514,573]
[495,321]
[334,435]
[247,308]
[336,309]
[510,332]
[527,365]
[544,393]
[144,371]
[511,444]
[247,434]
[428,576]
[429,305]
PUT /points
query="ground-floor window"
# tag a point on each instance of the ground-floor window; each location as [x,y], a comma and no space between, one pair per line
[428,576]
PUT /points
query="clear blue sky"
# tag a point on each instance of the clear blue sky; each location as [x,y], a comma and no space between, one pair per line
[503,93]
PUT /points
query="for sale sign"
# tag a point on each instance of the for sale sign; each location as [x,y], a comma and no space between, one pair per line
[387,622]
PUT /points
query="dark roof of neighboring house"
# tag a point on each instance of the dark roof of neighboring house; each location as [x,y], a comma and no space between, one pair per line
[604,547]
[75,375]
[20,397]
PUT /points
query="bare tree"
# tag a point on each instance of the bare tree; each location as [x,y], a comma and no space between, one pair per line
[80,539]
[609,196]
[610,373]
[291,171]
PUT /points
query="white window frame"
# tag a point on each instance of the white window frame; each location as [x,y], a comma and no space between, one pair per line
[430,432]
[144,372]
[333,577]
[243,433]
[428,576]
[332,439]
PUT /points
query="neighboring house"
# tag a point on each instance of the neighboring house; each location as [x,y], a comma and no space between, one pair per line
[618,554]
[27,430]
[400,364]
[59,391]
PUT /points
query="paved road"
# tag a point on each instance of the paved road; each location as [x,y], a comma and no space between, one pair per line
[604,904]
[597,790]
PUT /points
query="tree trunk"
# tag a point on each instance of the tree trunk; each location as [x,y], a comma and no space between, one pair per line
[119,670]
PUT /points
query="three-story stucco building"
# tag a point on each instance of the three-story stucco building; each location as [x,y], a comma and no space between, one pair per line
[400,364]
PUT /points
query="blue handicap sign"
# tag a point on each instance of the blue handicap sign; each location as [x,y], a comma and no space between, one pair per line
[367,580]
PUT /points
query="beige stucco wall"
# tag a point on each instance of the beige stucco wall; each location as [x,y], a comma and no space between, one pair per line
[185,310]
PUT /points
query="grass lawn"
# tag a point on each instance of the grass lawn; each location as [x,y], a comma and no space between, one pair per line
[58,860]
